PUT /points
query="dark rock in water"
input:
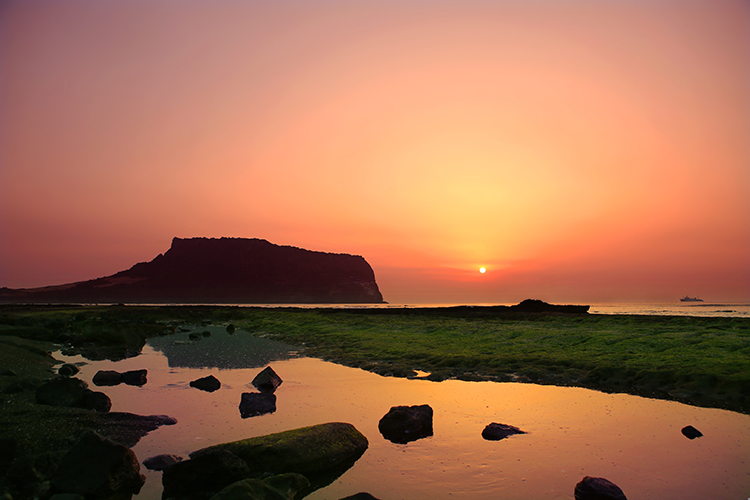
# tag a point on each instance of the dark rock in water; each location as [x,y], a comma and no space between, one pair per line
[135,377]
[535,306]
[195,336]
[283,486]
[97,467]
[206,333]
[161,462]
[208,384]
[360,496]
[97,401]
[68,370]
[230,328]
[128,428]
[107,378]
[309,450]
[403,424]
[253,404]
[691,432]
[204,475]
[267,380]
[496,432]
[598,488]
[225,270]
[61,392]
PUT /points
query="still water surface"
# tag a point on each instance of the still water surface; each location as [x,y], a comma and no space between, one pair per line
[632,441]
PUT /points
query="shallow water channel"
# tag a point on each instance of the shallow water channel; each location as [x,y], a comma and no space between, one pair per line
[632,441]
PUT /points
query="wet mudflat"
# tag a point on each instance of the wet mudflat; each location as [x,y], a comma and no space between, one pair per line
[571,432]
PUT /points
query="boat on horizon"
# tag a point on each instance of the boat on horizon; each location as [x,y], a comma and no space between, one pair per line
[688,298]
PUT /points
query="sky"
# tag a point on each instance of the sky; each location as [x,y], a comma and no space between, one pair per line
[581,151]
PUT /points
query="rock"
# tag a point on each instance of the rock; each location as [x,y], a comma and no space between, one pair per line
[306,451]
[20,386]
[253,404]
[195,336]
[61,392]
[496,432]
[230,328]
[97,467]
[691,432]
[267,380]
[360,496]
[8,452]
[23,478]
[135,377]
[598,488]
[67,496]
[403,424]
[97,401]
[107,377]
[208,384]
[128,428]
[161,462]
[68,370]
[203,475]
[283,486]
[206,333]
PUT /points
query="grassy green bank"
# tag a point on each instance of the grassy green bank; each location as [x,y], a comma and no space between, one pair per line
[702,361]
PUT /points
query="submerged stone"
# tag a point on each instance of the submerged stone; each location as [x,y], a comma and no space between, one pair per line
[691,432]
[496,432]
[208,384]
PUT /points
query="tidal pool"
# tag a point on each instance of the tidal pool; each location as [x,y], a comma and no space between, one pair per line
[632,441]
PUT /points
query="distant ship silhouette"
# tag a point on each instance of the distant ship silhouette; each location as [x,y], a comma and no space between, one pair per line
[688,298]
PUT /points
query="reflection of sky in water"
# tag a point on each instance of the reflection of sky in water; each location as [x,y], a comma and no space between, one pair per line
[634,442]
[219,350]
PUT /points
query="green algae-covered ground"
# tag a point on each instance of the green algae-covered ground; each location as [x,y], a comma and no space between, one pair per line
[703,361]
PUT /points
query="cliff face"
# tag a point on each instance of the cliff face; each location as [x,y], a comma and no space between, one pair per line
[225,270]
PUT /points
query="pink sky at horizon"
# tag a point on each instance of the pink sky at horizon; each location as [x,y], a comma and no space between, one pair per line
[581,151]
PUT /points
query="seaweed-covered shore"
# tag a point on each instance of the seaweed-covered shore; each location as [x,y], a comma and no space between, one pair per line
[701,361]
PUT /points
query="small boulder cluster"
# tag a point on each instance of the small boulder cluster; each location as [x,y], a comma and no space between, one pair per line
[264,401]
[252,404]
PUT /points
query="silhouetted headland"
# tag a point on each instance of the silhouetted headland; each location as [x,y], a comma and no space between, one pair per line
[223,271]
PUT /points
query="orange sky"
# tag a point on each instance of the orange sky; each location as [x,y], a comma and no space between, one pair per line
[581,151]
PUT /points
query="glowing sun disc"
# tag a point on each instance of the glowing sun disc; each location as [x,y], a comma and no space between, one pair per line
[482,270]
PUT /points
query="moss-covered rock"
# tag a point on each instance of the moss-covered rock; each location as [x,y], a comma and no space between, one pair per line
[308,450]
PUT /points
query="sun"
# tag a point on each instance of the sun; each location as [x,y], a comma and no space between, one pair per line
[482,270]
